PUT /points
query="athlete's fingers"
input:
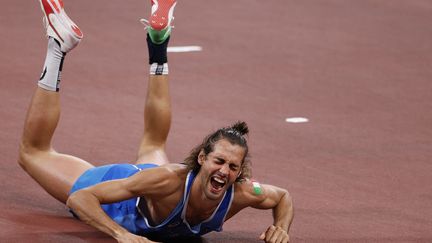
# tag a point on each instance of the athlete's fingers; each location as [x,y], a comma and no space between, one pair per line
[149,241]
[279,236]
[262,236]
[285,239]
[269,233]
[276,235]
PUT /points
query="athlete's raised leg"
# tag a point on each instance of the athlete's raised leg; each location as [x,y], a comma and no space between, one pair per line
[55,172]
[157,110]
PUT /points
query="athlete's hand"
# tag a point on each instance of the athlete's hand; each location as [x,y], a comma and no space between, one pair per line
[131,238]
[275,234]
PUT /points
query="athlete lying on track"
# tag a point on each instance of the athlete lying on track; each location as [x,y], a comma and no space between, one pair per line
[151,198]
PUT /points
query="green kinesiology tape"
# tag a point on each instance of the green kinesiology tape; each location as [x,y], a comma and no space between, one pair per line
[158,37]
[257,188]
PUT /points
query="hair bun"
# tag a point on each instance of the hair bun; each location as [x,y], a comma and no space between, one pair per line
[240,127]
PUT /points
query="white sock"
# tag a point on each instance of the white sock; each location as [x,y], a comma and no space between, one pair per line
[51,74]
[158,69]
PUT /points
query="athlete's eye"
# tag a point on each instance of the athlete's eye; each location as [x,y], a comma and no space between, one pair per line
[234,167]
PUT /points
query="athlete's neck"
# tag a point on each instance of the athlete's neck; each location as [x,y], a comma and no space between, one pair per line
[199,206]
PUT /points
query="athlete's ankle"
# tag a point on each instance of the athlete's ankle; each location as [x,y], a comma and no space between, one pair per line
[158,37]
[159,69]
[157,52]
[51,73]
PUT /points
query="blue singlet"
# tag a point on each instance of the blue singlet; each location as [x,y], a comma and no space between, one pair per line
[126,213]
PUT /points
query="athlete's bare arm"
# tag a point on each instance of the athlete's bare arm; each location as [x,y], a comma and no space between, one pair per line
[268,197]
[156,182]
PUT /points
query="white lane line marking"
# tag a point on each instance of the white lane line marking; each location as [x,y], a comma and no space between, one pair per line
[184,48]
[296,120]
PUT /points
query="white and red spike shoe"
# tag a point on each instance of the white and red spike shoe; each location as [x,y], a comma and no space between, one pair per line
[59,25]
[159,25]
[162,14]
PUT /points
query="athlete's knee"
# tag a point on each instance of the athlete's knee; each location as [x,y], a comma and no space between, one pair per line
[24,155]
[27,154]
[152,154]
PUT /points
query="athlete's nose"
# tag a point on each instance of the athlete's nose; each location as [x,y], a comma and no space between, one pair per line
[224,169]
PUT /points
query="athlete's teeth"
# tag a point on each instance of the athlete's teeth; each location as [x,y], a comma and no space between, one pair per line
[219,180]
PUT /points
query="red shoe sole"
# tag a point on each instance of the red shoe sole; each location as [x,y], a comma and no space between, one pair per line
[159,19]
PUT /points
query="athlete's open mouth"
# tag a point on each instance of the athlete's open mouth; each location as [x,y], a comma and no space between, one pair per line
[217,182]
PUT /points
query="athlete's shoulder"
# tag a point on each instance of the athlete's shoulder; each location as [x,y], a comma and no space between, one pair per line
[177,170]
[248,190]
[247,193]
[157,180]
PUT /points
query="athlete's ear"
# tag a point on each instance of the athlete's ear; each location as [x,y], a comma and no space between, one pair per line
[201,157]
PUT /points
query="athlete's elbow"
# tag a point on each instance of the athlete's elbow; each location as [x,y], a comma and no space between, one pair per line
[76,199]
[71,201]
[288,204]
[286,199]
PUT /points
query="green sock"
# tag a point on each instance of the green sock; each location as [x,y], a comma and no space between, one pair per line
[159,37]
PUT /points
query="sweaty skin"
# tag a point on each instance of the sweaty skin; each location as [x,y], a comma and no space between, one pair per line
[163,187]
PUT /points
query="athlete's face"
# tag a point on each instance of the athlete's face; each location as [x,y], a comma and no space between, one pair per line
[220,168]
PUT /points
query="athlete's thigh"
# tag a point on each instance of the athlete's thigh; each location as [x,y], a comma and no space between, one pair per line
[156,156]
[55,172]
